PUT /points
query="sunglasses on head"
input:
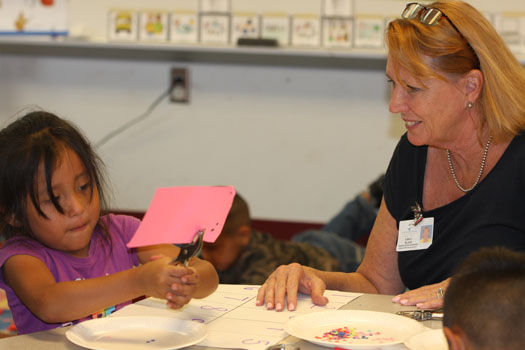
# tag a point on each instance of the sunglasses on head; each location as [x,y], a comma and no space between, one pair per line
[430,16]
[426,15]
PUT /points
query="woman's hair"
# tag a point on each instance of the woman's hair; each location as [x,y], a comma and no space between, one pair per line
[477,45]
[39,138]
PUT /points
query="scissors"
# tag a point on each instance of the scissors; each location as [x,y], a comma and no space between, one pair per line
[423,315]
[190,249]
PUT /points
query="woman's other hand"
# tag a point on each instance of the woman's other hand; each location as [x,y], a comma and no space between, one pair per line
[287,281]
[426,297]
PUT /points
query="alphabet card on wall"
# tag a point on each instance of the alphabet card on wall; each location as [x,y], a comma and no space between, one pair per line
[369,31]
[276,26]
[183,27]
[215,16]
[215,28]
[337,32]
[306,30]
[244,25]
[43,17]
[122,25]
[153,26]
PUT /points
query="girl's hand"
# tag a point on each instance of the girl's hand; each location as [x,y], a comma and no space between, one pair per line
[426,297]
[182,292]
[287,280]
[183,288]
[159,278]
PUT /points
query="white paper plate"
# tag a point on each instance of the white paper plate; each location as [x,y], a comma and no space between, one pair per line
[365,329]
[136,332]
[431,340]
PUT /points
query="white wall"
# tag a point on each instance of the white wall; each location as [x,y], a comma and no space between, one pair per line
[296,142]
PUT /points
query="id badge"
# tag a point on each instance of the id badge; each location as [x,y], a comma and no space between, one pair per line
[415,236]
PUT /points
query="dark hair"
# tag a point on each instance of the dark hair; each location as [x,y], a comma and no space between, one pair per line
[38,137]
[239,215]
[485,299]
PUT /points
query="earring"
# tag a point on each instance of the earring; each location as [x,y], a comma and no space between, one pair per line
[470,104]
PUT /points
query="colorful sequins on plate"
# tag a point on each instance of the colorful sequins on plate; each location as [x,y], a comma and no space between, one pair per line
[353,335]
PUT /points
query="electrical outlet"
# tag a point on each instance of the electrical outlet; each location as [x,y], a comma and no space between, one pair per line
[180,85]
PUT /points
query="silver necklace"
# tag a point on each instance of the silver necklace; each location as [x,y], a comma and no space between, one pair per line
[485,152]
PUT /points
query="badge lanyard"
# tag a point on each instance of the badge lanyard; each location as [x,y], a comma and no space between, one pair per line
[418,215]
[417,233]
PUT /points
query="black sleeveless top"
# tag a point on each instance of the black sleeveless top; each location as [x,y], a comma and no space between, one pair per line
[493,213]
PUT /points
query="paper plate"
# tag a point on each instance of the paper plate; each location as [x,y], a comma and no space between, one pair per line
[353,329]
[431,340]
[136,332]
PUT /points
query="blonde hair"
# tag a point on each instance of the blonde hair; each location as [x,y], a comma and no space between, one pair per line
[477,46]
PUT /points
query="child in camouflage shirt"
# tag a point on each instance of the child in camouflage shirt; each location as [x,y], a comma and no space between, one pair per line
[243,255]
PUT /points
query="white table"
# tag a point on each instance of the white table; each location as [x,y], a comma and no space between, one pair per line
[55,339]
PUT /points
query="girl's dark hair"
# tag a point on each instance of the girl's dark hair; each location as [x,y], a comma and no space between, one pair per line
[39,137]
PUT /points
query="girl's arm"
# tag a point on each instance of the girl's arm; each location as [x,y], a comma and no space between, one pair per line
[207,278]
[54,302]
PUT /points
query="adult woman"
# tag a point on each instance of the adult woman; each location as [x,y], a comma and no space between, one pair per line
[460,92]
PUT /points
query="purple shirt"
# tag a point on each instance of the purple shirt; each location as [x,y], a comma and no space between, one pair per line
[103,259]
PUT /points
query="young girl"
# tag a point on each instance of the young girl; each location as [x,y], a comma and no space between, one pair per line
[62,262]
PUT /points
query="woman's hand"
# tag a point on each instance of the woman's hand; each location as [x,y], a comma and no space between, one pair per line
[426,297]
[286,281]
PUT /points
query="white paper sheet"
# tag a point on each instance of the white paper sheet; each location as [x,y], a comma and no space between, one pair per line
[232,318]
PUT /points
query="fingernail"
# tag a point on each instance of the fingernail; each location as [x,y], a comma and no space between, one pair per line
[403,301]
[419,305]
[174,287]
[269,306]
[278,307]
[291,307]
[396,298]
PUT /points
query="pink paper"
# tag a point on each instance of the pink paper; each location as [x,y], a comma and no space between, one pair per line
[177,213]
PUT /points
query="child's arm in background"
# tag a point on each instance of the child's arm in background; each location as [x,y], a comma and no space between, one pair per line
[54,302]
